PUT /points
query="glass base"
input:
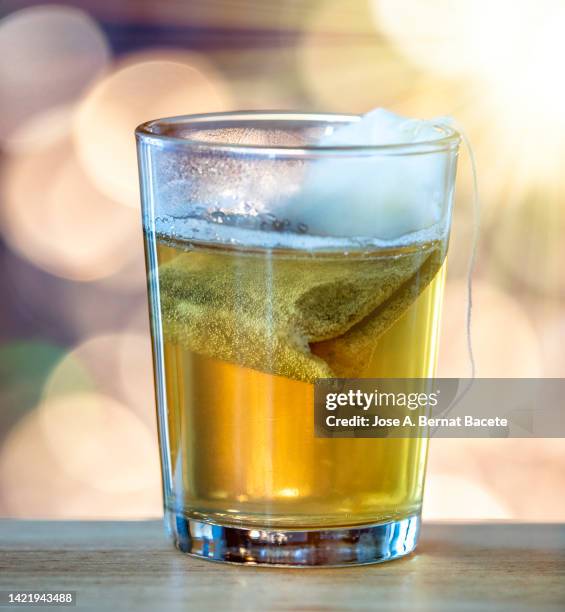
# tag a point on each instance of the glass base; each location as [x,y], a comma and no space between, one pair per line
[343,546]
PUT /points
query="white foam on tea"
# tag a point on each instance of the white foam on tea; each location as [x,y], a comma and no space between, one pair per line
[381,195]
[198,230]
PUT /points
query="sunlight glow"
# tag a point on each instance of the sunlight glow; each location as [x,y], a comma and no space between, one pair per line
[514,49]
[505,58]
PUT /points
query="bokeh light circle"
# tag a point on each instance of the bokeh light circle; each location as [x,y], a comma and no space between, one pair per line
[143,87]
[114,364]
[42,130]
[48,55]
[97,439]
[35,482]
[135,373]
[54,217]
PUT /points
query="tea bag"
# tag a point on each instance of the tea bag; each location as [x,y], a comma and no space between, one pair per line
[296,317]
[386,195]
[310,317]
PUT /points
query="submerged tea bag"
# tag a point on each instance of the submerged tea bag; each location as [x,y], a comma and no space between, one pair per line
[296,317]
[311,317]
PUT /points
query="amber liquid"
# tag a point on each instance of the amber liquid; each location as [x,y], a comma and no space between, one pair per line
[241,448]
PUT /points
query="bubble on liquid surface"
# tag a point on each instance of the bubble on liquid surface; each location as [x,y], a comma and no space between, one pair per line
[189,230]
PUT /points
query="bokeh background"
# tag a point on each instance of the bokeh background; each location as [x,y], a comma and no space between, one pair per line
[77,424]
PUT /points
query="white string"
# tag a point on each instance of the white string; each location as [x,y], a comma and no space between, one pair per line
[473,256]
[471,268]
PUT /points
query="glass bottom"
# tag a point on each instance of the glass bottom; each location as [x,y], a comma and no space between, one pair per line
[342,546]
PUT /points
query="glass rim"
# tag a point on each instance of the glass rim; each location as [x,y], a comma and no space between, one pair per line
[146,132]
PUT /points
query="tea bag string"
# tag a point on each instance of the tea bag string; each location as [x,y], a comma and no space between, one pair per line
[476,204]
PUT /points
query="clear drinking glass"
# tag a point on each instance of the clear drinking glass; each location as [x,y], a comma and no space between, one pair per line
[249,307]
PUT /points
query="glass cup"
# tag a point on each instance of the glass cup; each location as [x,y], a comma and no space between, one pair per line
[250,306]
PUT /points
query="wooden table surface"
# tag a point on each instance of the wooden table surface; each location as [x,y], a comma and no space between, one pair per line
[132,566]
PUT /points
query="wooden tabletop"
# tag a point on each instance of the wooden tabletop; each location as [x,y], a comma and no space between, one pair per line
[132,566]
